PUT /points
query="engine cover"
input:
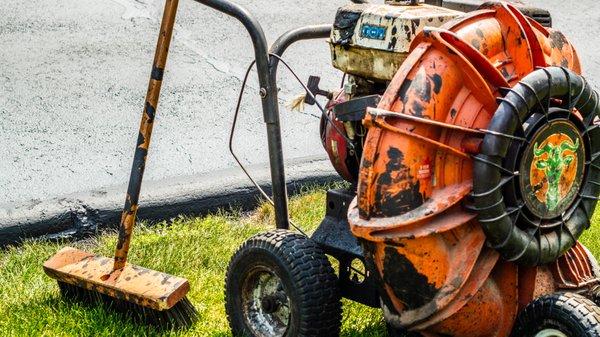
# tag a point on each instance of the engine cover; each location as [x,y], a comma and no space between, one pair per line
[372,40]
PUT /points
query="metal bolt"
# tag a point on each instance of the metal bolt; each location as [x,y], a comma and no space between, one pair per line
[263,92]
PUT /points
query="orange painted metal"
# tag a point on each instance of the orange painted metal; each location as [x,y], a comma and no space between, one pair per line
[445,258]
[575,269]
[416,174]
[491,311]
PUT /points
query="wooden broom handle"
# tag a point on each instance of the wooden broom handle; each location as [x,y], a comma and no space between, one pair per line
[141,151]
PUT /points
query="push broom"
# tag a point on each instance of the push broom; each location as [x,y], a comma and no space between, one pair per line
[157,297]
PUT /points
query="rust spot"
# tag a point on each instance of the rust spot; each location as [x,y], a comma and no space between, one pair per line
[437,83]
[345,22]
[417,109]
[557,40]
[453,112]
[404,89]
[392,43]
[422,86]
[479,33]
[414,25]
[151,112]
[407,32]
[369,251]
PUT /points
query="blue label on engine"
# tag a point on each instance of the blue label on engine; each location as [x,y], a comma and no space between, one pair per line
[373,32]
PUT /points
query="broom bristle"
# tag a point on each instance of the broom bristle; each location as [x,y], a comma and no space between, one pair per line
[181,315]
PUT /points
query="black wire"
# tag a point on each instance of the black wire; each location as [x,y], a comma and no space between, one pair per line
[231,135]
[311,95]
[235,118]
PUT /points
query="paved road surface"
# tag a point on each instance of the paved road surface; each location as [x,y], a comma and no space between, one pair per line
[73,75]
[73,79]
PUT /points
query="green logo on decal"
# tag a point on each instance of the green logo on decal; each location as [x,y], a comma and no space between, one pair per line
[552,160]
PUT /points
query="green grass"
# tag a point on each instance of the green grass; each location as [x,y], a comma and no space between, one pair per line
[195,248]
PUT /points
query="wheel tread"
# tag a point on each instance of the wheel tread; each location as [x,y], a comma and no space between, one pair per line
[570,309]
[320,301]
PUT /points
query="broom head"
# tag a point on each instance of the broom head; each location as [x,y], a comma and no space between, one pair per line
[144,287]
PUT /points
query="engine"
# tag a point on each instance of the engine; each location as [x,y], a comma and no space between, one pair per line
[368,43]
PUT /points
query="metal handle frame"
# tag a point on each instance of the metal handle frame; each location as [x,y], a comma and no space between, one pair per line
[268,94]
[266,63]
[266,66]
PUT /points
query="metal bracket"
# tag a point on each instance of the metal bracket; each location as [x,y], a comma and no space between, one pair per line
[336,240]
[355,109]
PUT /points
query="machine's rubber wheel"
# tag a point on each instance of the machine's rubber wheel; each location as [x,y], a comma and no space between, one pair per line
[559,315]
[280,284]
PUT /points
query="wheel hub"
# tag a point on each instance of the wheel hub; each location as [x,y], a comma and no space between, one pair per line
[552,168]
[265,303]
[270,303]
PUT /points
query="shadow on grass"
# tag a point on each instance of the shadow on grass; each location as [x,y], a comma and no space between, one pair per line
[95,316]
[54,313]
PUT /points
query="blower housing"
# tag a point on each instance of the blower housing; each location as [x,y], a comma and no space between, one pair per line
[473,142]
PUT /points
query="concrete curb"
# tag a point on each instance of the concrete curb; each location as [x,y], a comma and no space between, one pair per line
[81,214]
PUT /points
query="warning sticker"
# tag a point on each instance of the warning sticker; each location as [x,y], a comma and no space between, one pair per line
[424,172]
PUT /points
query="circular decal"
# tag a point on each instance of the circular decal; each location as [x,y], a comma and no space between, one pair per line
[551,169]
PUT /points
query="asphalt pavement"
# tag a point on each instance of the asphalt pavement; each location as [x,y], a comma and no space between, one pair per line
[73,80]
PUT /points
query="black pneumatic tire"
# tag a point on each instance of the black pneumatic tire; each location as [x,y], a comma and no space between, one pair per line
[311,299]
[569,313]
